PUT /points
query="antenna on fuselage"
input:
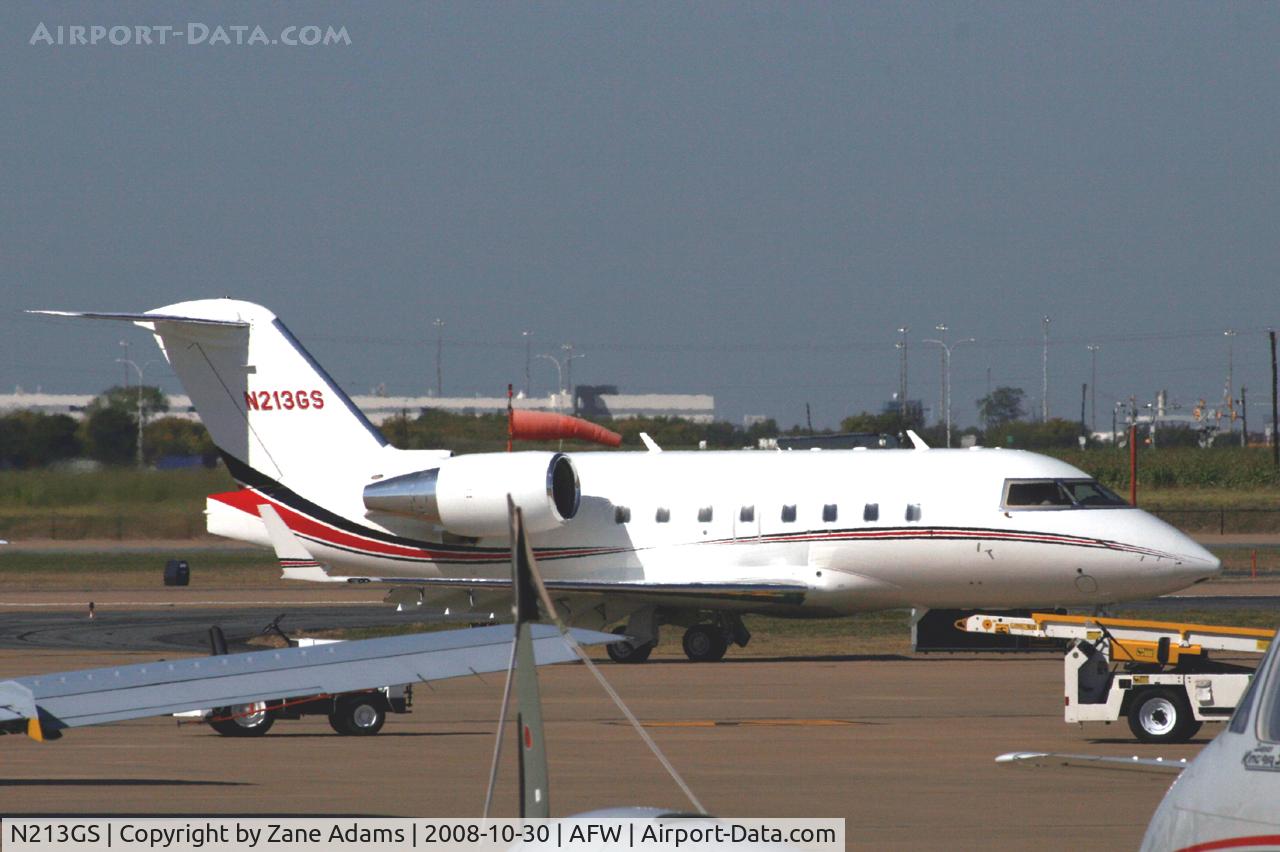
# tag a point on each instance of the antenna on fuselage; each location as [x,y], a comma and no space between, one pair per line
[916,441]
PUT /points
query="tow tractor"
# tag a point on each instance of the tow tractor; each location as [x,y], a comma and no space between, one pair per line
[1157,674]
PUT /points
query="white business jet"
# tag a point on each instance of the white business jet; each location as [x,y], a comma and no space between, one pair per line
[696,539]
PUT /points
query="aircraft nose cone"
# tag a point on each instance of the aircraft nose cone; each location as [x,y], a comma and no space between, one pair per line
[1195,561]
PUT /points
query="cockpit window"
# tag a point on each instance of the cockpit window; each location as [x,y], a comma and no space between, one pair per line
[1041,492]
[1088,492]
[1058,494]
[1268,706]
[1240,718]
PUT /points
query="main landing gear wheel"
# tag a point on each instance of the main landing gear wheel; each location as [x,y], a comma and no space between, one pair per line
[625,652]
[242,720]
[1162,716]
[358,715]
[705,643]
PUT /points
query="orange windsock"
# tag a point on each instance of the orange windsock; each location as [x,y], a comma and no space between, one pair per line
[545,426]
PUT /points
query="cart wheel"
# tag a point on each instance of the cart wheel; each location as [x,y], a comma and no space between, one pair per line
[360,715]
[1162,716]
[246,720]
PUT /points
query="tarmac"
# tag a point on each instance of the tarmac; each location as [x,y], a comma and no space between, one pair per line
[901,746]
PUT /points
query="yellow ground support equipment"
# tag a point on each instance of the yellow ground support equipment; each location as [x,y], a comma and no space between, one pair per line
[1156,673]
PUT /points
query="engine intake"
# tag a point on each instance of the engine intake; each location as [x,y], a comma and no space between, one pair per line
[467,495]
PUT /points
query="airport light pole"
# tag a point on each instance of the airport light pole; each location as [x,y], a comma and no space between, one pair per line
[125,359]
[942,396]
[1230,395]
[946,374]
[439,324]
[1044,371]
[140,370]
[528,343]
[559,377]
[901,346]
[1093,386]
[568,371]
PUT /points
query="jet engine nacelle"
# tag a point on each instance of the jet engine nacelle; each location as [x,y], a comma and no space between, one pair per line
[467,495]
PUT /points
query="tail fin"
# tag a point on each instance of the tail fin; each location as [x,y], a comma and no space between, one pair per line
[265,401]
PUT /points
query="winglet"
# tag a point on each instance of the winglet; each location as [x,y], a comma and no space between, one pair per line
[19,700]
[917,442]
[650,444]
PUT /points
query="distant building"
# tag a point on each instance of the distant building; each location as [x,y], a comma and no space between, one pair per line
[589,400]
[699,408]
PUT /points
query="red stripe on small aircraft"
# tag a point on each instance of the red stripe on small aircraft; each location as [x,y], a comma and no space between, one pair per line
[1263,841]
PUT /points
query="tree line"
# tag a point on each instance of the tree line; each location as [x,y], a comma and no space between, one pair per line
[108,432]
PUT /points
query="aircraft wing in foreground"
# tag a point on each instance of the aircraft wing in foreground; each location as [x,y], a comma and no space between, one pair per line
[42,705]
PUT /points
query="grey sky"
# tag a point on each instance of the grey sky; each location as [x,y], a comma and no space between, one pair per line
[741,199]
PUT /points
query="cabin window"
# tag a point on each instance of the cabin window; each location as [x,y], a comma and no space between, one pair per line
[913,511]
[663,515]
[621,515]
[704,515]
[1058,494]
[871,512]
[830,513]
[789,514]
[747,514]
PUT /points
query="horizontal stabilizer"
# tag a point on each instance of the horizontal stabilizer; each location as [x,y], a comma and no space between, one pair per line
[141,317]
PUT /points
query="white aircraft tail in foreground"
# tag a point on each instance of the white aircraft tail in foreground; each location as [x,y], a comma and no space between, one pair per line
[696,539]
